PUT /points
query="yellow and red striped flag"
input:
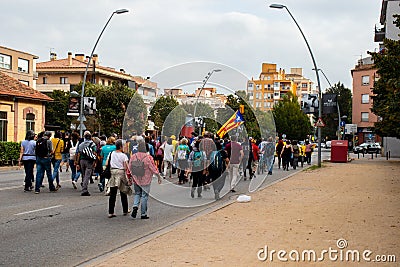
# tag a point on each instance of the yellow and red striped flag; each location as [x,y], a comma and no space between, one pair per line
[232,123]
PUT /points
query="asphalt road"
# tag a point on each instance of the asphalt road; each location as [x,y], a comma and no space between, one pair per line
[66,229]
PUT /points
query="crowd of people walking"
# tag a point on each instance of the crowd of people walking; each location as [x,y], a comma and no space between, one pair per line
[128,166]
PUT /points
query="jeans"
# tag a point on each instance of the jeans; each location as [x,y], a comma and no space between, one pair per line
[141,195]
[28,167]
[74,173]
[269,162]
[43,165]
[56,170]
[113,197]
[233,174]
[86,170]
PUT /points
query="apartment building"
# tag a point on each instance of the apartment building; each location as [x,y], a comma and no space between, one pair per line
[364,75]
[19,65]
[63,74]
[273,84]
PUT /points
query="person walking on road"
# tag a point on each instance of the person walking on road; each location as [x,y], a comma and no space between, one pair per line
[27,157]
[168,149]
[268,151]
[197,162]
[217,169]
[286,155]
[86,161]
[105,151]
[308,152]
[141,183]
[43,151]
[118,161]
[72,147]
[58,145]
[235,153]
[181,157]
[279,148]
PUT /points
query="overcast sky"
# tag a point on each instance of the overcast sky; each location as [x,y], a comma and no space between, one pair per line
[158,34]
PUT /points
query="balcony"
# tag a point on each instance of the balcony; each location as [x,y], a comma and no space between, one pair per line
[48,88]
[379,34]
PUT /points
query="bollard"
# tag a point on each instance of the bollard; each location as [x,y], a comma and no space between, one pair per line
[358,155]
[372,155]
[387,155]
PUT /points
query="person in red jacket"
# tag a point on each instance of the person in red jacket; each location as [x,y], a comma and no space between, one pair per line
[254,163]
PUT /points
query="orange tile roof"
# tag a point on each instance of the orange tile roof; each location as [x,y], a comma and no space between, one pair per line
[12,87]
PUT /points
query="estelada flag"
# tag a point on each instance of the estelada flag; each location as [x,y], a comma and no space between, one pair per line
[232,123]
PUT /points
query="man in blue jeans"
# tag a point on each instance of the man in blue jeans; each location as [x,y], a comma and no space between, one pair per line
[44,149]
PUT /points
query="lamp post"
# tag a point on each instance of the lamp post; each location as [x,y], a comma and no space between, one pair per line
[81,116]
[279,6]
[201,89]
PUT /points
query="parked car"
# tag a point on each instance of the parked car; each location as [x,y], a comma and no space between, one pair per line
[367,148]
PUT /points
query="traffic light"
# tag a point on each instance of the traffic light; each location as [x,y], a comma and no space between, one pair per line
[241,109]
[341,129]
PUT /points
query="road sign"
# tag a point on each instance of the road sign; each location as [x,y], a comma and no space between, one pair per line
[342,123]
[350,128]
[319,123]
[89,105]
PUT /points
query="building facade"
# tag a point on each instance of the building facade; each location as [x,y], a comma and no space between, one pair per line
[64,74]
[19,65]
[22,108]
[274,84]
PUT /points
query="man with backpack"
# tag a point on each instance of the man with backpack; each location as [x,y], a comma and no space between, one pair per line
[44,151]
[197,160]
[235,152]
[216,170]
[86,161]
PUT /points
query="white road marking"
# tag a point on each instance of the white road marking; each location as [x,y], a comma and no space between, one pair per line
[11,187]
[26,212]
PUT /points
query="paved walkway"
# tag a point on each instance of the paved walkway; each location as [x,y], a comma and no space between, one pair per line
[348,209]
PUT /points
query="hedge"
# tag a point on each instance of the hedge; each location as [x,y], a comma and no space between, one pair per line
[9,153]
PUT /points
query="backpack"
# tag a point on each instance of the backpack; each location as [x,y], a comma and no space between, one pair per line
[137,167]
[72,150]
[134,147]
[88,152]
[296,151]
[269,149]
[216,164]
[181,152]
[41,149]
[197,156]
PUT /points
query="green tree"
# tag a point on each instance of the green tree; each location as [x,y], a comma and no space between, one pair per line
[290,120]
[386,99]
[56,111]
[161,109]
[345,105]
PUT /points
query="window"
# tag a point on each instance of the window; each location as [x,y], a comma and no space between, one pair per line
[304,85]
[269,96]
[63,80]
[364,116]
[23,65]
[3,126]
[365,99]
[268,78]
[258,87]
[265,95]
[258,105]
[44,80]
[365,80]
[30,122]
[250,85]
[5,61]
[257,95]
[103,82]
[276,94]
[24,82]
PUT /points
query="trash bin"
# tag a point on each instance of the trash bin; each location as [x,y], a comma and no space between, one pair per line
[339,150]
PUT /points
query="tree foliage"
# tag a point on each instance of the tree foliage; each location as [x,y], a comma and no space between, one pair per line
[290,120]
[386,99]
[161,109]
[345,105]
[56,111]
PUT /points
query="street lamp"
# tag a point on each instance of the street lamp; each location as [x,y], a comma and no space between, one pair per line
[201,89]
[81,116]
[279,6]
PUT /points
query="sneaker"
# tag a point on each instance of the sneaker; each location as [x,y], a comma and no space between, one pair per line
[58,186]
[53,190]
[192,194]
[27,190]
[37,192]
[144,217]
[269,173]
[134,212]
[101,187]
[74,185]
[85,194]
[126,213]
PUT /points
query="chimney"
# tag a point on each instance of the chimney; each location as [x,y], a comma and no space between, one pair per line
[87,59]
[122,70]
[53,56]
[80,57]
[69,58]
[95,59]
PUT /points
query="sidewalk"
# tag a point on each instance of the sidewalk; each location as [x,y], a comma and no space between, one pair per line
[357,202]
